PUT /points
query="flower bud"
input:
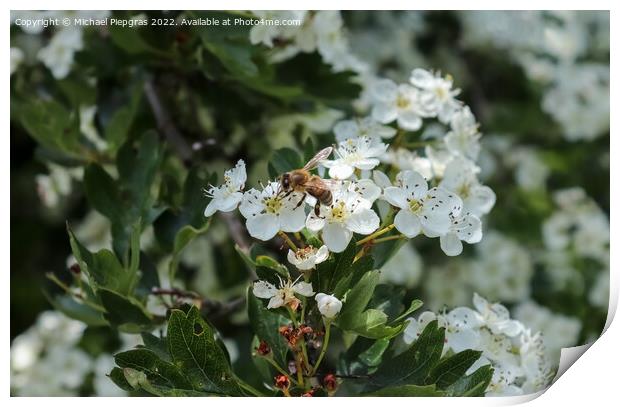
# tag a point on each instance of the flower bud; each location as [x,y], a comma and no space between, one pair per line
[309,393]
[75,269]
[263,348]
[330,382]
[282,382]
[329,306]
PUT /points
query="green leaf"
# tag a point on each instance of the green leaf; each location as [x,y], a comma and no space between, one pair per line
[271,270]
[413,365]
[125,312]
[76,310]
[158,372]
[52,126]
[118,127]
[102,268]
[409,390]
[159,346]
[283,160]
[357,299]
[102,193]
[372,356]
[194,350]
[453,368]
[413,307]
[265,325]
[118,377]
[473,385]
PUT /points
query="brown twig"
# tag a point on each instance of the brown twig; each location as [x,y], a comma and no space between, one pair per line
[165,124]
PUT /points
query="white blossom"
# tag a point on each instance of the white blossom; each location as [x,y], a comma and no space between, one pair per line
[227,196]
[349,213]
[357,153]
[284,295]
[402,103]
[460,178]
[463,227]
[269,211]
[421,209]
[366,127]
[58,55]
[496,317]
[306,258]
[328,305]
[463,137]
[437,93]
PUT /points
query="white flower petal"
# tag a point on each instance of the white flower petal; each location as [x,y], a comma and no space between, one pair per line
[336,237]
[263,226]
[292,220]
[363,221]
[451,244]
[384,90]
[409,120]
[407,223]
[396,197]
[264,289]
[340,170]
[384,113]
[303,288]
[276,301]
[314,223]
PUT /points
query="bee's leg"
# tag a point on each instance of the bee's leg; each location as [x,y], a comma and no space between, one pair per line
[303,198]
[317,209]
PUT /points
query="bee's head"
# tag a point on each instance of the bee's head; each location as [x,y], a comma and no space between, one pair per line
[286,181]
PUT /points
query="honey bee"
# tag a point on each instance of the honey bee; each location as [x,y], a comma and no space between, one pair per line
[302,181]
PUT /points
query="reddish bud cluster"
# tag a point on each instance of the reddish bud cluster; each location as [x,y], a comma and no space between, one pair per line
[292,335]
[282,382]
[75,269]
[330,382]
[263,348]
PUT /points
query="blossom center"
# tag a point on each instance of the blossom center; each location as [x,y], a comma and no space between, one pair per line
[414,205]
[402,102]
[272,204]
[339,211]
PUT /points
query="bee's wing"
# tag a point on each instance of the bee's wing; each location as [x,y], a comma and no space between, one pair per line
[333,184]
[320,156]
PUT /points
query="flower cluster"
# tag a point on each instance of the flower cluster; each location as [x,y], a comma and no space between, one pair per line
[449,208]
[554,51]
[306,31]
[46,360]
[59,53]
[516,354]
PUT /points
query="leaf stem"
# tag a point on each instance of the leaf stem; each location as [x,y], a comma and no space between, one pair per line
[388,238]
[375,235]
[323,348]
[279,369]
[288,240]
[249,389]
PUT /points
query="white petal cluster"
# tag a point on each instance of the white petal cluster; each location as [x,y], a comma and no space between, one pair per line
[554,51]
[349,213]
[361,153]
[45,360]
[268,211]
[284,295]
[59,53]
[307,31]
[328,305]
[516,355]
[227,196]
[307,257]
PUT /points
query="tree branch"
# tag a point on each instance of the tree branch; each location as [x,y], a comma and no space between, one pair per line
[165,124]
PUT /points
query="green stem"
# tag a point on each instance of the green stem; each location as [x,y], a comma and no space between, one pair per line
[279,369]
[385,239]
[375,235]
[323,348]
[288,240]
[249,389]
[291,313]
